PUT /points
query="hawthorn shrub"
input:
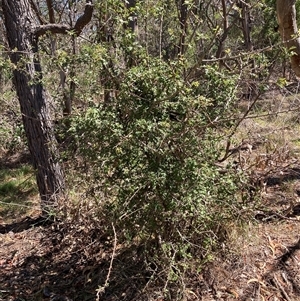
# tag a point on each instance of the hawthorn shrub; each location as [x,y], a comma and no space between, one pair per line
[151,155]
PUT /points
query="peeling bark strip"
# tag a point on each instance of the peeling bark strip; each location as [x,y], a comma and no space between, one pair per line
[51,11]
[34,101]
[286,15]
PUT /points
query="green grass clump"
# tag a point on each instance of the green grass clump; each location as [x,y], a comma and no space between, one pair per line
[17,191]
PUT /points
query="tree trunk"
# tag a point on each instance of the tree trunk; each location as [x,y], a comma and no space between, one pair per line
[183,17]
[133,22]
[246,24]
[20,23]
[286,15]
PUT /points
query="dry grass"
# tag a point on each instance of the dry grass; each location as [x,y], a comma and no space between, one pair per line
[262,258]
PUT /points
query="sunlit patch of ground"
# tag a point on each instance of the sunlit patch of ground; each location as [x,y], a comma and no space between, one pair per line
[18,191]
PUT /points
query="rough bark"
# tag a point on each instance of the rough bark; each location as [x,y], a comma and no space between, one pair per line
[226,27]
[34,101]
[183,17]
[286,15]
[69,94]
[246,23]
[53,28]
[51,11]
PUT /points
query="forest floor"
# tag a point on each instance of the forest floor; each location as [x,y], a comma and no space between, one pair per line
[46,260]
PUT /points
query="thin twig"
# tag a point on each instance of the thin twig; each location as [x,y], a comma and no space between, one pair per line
[19,205]
[284,293]
[292,219]
[101,290]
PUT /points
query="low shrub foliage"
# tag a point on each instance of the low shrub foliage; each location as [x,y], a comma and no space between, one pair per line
[151,155]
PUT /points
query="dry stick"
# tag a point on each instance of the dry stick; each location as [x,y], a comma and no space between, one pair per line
[219,121]
[285,217]
[19,205]
[101,290]
[239,56]
[249,53]
[227,152]
[284,293]
[245,116]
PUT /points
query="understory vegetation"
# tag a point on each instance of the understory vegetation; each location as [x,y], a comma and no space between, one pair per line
[157,148]
[150,158]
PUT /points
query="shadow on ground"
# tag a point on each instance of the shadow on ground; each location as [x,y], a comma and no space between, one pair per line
[40,260]
[16,160]
[25,224]
[286,175]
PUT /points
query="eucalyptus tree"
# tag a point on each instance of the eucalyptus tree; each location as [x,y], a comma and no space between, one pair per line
[24,25]
[287,20]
